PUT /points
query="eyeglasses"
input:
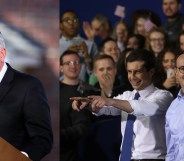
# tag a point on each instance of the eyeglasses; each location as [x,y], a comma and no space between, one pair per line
[71,63]
[71,21]
[181,69]
[159,39]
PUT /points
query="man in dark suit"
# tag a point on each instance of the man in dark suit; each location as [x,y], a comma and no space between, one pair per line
[24,112]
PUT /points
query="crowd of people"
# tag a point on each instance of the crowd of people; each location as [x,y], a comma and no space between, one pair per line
[101,72]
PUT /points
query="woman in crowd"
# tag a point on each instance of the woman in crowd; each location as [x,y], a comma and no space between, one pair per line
[143,20]
[156,41]
[120,34]
[165,77]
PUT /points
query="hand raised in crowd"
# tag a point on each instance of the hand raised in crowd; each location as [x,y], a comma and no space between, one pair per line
[74,48]
[106,85]
[84,49]
[89,32]
[170,82]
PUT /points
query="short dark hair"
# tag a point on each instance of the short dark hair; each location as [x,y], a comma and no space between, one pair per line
[103,56]
[142,55]
[101,45]
[68,52]
[66,11]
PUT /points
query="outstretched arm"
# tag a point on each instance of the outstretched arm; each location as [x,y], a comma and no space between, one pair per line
[97,102]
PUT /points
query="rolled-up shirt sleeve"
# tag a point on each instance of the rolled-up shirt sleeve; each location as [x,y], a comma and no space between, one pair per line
[155,104]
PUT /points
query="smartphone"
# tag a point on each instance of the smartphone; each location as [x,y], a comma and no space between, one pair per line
[170,73]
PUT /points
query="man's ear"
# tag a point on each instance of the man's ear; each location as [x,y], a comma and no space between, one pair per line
[61,68]
[2,54]
[94,71]
[152,71]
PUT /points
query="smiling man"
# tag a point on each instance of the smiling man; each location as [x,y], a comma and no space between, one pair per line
[175,20]
[73,125]
[149,109]
[175,120]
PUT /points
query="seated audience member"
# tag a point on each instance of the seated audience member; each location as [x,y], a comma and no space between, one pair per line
[99,29]
[108,47]
[71,40]
[165,78]
[175,20]
[120,34]
[143,20]
[73,125]
[136,41]
[181,42]
[146,104]
[105,71]
[174,119]
[156,41]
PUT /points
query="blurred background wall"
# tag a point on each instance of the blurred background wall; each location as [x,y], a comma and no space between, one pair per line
[31,32]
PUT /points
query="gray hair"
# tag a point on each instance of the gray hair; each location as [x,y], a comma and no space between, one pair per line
[2,42]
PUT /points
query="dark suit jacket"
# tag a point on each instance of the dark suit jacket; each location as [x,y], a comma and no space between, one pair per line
[24,114]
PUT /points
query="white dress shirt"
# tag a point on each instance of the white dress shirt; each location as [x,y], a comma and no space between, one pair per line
[3,71]
[149,132]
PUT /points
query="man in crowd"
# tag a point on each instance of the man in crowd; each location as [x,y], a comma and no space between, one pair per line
[25,115]
[73,125]
[175,20]
[175,120]
[71,40]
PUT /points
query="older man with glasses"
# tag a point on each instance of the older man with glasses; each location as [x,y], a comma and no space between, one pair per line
[175,120]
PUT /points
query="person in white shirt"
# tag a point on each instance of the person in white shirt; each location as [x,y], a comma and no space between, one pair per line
[149,134]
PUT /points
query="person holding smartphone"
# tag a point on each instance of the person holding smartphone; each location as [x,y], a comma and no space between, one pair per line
[165,77]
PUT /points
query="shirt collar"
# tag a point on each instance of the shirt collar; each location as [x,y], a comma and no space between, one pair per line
[146,91]
[180,95]
[3,71]
[67,39]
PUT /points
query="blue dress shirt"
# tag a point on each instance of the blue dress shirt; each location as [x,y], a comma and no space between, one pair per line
[175,129]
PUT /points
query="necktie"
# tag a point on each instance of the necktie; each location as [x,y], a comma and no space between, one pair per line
[126,152]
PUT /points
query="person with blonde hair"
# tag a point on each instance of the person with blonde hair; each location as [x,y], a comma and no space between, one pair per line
[156,41]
